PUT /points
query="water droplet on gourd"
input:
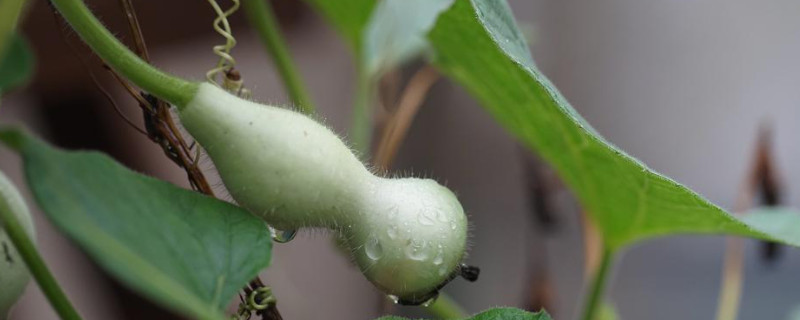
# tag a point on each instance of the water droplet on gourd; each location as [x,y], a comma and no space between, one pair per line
[373,248]
[424,218]
[430,301]
[453,225]
[392,212]
[439,258]
[442,270]
[416,250]
[392,232]
[441,216]
[282,236]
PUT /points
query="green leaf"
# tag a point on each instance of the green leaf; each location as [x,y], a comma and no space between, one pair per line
[189,252]
[783,222]
[396,32]
[477,43]
[16,63]
[385,33]
[349,17]
[497,314]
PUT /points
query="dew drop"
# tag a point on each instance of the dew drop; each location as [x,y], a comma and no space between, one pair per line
[430,301]
[453,225]
[416,250]
[395,299]
[373,248]
[392,232]
[441,216]
[425,218]
[439,258]
[442,270]
[282,236]
[392,212]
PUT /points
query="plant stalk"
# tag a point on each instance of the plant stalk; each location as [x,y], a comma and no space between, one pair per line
[36,264]
[168,87]
[445,308]
[598,286]
[361,126]
[262,18]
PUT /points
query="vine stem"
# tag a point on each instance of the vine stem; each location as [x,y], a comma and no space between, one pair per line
[598,285]
[168,87]
[36,264]
[445,308]
[260,15]
[361,126]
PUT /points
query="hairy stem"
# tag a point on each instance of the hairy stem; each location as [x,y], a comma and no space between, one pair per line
[445,308]
[598,286]
[36,264]
[261,17]
[173,89]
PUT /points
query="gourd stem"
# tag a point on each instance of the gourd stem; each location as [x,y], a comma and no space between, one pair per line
[262,18]
[35,263]
[445,308]
[168,87]
[598,286]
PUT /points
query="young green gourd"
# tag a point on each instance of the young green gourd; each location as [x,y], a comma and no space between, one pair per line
[408,236]
[14,274]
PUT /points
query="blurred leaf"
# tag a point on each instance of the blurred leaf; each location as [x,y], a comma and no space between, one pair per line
[190,252]
[16,63]
[348,17]
[385,33]
[780,221]
[497,314]
[397,32]
[477,43]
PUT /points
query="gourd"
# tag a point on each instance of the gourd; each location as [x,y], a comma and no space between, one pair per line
[14,274]
[408,236]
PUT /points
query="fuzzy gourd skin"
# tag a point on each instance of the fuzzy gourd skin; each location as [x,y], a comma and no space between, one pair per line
[407,236]
[14,274]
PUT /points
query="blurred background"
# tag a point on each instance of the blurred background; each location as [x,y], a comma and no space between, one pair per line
[682,85]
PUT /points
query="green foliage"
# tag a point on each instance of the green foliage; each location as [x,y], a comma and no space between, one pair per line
[396,32]
[498,314]
[16,63]
[348,17]
[187,251]
[478,44]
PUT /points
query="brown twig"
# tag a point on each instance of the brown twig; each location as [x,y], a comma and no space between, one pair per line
[397,127]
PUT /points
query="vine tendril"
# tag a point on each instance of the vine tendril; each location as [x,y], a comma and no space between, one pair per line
[231,80]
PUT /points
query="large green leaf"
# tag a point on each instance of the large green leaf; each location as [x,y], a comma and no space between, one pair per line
[478,44]
[497,314]
[190,252]
[16,63]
